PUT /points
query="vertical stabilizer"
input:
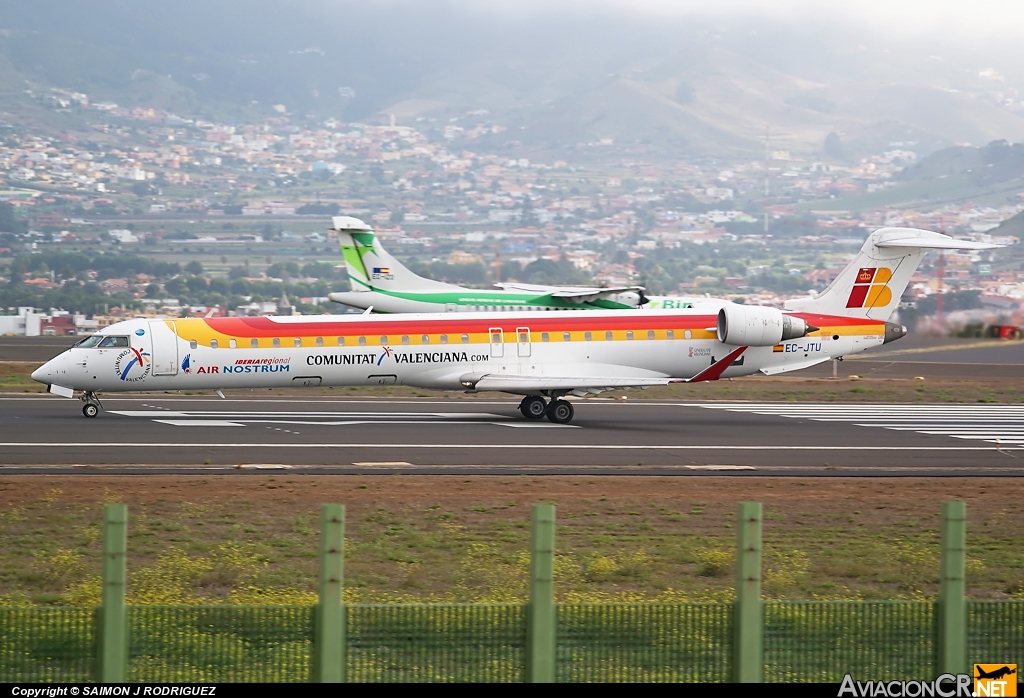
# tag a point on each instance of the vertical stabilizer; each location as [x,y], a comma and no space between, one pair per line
[370,267]
[873,283]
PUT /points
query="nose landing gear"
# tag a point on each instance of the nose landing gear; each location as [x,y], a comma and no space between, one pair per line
[92,405]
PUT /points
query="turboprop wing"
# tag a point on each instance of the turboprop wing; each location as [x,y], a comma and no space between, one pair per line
[578,293]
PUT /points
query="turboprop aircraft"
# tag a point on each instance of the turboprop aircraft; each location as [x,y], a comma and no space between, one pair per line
[382,283]
[541,356]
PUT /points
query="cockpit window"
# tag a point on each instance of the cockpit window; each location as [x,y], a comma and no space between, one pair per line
[90,341]
[114,342]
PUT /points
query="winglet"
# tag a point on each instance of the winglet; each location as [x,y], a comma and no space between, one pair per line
[715,370]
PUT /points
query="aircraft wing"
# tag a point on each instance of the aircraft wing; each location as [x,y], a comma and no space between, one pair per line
[579,386]
[581,292]
[591,384]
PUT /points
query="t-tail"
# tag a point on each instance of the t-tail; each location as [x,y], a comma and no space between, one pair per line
[873,283]
[370,267]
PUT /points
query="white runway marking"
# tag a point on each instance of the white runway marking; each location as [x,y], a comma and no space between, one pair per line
[539,446]
[198,423]
[535,425]
[231,418]
[999,424]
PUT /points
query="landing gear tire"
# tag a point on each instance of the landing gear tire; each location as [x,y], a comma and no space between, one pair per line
[533,407]
[90,410]
[560,412]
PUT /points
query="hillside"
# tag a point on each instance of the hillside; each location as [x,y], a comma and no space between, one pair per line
[683,87]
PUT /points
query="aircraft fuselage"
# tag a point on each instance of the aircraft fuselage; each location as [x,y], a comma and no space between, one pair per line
[429,351]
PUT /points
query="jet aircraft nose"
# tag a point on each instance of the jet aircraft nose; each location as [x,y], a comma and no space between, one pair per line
[41,374]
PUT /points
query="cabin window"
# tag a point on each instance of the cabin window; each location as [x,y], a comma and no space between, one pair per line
[586,336]
[629,334]
[425,339]
[495,338]
[543,336]
[566,337]
[297,341]
[277,342]
[193,344]
[319,341]
[444,339]
[254,342]
[383,339]
[362,341]
[213,343]
[670,334]
[114,342]
[524,337]
[341,341]
[687,334]
[405,339]
[650,334]
[465,339]
[608,335]
[232,343]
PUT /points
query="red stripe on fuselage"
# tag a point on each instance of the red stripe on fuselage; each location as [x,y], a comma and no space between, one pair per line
[554,322]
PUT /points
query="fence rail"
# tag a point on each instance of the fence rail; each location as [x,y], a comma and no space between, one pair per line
[775,641]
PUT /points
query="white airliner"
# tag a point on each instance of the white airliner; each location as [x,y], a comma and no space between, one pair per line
[542,356]
[382,283]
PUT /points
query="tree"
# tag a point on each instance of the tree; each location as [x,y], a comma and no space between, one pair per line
[153,291]
[9,222]
[194,267]
[834,146]
[176,286]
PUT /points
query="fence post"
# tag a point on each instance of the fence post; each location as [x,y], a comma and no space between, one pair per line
[329,641]
[112,621]
[540,612]
[748,614]
[952,644]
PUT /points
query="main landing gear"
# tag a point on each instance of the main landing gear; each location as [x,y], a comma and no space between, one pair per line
[92,405]
[558,411]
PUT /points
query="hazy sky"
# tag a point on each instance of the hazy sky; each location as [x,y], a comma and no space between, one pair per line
[953,18]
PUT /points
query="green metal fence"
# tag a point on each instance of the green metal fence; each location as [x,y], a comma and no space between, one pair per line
[995,632]
[219,643]
[436,642]
[823,640]
[47,644]
[644,642]
[749,640]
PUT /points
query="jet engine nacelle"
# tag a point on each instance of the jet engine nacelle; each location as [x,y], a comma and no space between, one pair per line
[755,326]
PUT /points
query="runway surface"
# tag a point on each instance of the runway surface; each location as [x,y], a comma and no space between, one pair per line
[149,434]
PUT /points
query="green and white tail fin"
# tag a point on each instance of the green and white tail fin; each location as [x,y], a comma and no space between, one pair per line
[873,283]
[370,267]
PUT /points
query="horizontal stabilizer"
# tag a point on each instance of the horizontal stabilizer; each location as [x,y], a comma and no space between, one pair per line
[937,244]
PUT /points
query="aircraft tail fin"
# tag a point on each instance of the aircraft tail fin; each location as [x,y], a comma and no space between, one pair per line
[873,283]
[370,267]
